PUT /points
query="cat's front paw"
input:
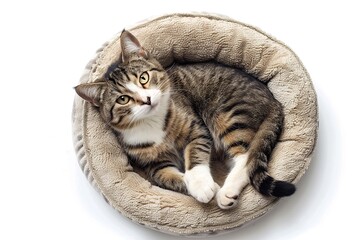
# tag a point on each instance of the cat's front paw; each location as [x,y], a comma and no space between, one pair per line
[227,198]
[200,183]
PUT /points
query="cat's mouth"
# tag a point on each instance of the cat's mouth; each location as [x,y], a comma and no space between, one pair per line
[150,109]
[153,107]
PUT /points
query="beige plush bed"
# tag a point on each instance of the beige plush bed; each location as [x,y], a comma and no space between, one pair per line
[198,38]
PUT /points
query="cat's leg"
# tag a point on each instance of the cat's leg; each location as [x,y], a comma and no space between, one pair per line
[198,179]
[167,176]
[236,146]
[234,135]
[238,177]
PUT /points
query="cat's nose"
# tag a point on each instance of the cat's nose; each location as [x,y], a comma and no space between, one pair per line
[148,101]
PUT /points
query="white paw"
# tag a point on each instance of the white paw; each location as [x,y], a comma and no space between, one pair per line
[200,183]
[227,198]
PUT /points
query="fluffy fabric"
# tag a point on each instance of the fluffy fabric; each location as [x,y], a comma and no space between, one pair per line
[198,38]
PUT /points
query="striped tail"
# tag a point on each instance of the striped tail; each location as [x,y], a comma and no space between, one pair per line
[268,186]
[259,155]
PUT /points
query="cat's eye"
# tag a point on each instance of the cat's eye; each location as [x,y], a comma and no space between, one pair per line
[124,99]
[144,78]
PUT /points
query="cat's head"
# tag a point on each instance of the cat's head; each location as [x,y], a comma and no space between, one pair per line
[135,88]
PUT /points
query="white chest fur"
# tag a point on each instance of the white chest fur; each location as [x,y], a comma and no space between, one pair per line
[148,131]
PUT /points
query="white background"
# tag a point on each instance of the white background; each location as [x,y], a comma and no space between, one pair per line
[44,48]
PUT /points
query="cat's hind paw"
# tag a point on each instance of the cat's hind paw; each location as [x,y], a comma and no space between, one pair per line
[226,198]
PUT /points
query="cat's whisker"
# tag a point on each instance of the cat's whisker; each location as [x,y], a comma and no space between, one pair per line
[170,67]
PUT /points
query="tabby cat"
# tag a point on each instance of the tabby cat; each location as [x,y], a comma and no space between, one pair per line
[170,121]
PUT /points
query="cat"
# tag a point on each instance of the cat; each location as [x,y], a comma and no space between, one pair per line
[170,121]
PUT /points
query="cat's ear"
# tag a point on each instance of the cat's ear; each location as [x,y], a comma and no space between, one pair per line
[91,92]
[130,45]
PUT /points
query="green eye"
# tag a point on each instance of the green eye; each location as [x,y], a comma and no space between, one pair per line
[124,99]
[144,78]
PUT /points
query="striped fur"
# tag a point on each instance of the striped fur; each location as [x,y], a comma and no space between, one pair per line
[169,122]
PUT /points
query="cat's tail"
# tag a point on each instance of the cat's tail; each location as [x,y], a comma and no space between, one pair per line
[259,155]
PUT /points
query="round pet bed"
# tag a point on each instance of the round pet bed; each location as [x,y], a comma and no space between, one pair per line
[197,38]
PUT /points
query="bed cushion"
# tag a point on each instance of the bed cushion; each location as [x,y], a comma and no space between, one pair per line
[191,38]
